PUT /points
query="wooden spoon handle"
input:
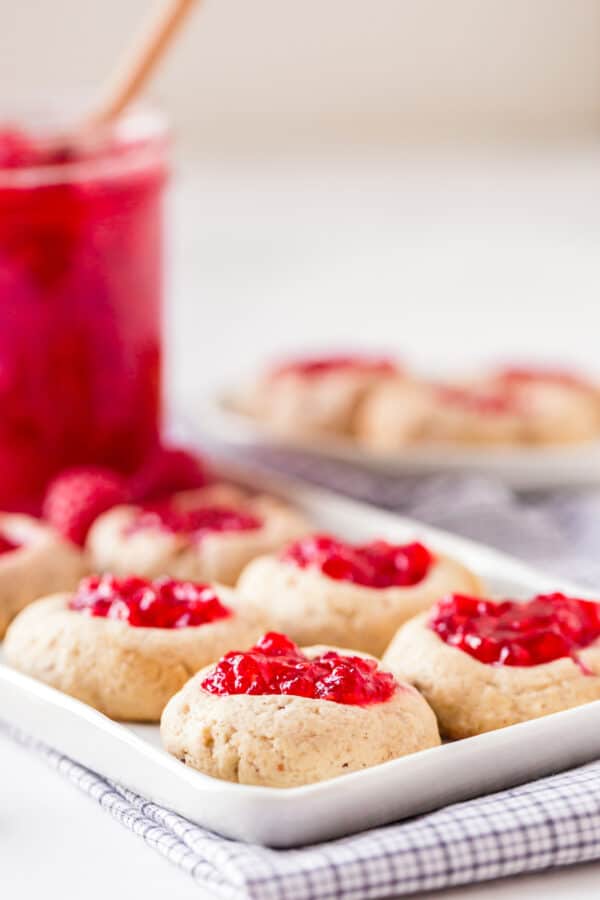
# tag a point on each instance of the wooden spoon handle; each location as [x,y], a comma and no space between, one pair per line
[140,60]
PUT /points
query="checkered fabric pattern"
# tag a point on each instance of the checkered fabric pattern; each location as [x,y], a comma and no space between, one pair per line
[551,822]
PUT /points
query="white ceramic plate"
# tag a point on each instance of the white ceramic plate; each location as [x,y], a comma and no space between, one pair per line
[131,754]
[524,468]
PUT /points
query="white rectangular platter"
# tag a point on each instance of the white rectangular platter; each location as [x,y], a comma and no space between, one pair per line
[131,755]
[524,468]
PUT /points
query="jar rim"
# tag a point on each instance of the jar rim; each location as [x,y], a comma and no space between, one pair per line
[135,141]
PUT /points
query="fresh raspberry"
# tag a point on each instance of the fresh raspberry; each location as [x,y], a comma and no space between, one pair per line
[76,497]
[166,471]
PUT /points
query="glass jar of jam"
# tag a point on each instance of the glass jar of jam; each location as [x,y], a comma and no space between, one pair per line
[80,300]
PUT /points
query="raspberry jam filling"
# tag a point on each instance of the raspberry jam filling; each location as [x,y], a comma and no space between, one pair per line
[515,376]
[498,402]
[7,545]
[275,665]
[374,565]
[194,523]
[548,627]
[325,365]
[164,603]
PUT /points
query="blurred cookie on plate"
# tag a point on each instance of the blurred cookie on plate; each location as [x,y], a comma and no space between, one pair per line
[399,414]
[511,407]
[34,560]
[315,396]
[209,534]
[557,407]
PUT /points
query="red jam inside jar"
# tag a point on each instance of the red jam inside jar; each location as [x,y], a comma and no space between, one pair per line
[164,603]
[548,627]
[7,545]
[374,565]
[326,365]
[275,665]
[194,523]
[80,303]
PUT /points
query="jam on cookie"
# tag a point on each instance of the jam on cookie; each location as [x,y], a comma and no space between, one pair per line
[276,665]
[194,523]
[327,365]
[377,564]
[7,545]
[164,603]
[545,628]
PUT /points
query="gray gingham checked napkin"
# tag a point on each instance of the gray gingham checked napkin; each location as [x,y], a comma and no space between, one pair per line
[551,822]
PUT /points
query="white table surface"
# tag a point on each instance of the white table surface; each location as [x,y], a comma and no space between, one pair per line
[446,261]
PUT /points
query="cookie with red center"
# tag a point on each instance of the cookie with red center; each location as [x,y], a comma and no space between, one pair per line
[34,559]
[508,407]
[281,716]
[401,413]
[316,395]
[518,375]
[126,645]
[475,414]
[396,413]
[322,588]
[204,535]
[558,406]
[484,664]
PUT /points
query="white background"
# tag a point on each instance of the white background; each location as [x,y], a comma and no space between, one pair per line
[272,75]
